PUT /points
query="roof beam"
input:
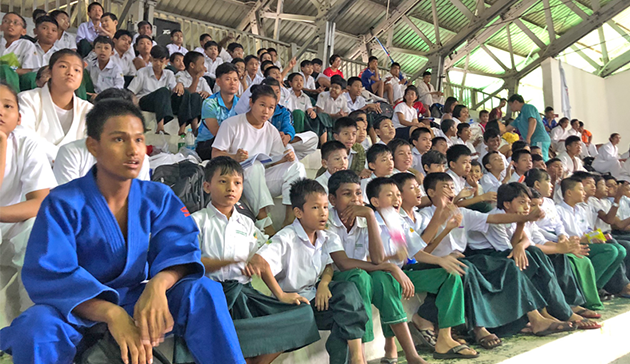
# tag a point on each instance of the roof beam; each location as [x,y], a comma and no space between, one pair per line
[436,23]
[514,12]
[602,45]
[420,33]
[607,12]
[509,39]
[276,27]
[619,30]
[463,9]
[289,17]
[588,59]
[548,19]
[494,57]
[576,9]
[616,64]
[528,32]
[386,22]
[251,14]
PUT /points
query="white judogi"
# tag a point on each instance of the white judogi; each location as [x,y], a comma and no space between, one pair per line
[39,115]
[608,160]
[424,95]
[24,50]
[570,164]
[74,161]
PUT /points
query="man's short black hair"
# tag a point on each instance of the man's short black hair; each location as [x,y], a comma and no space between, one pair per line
[377,123]
[159,52]
[224,69]
[551,161]
[437,139]
[372,58]
[536,175]
[352,80]
[431,180]
[338,80]
[204,35]
[572,139]
[103,39]
[269,69]
[174,56]
[250,57]
[107,109]
[225,165]
[142,36]
[426,73]
[516,156]
[342,123]
[270,49]
[142,23]
[483,112]
[397,143]
[446,125]
[305,63]
[581,175]
[461,127]
[112,16]
[516,97]
[395,64]
[121,33]
[433,157]
[38,13]
[548,108]
[330,147]
[191,57]
[56,13]
[486,158]
[519,144]
[490,134]
[233,46]
[46,19]
[338,178]
[317,61]
[209,44]
[537,158]
[265,64]
[294,75]
[375,186]
[455,152]
[173,32]
[568,184]
[415,134]
[375,151]
[93,4]
[114,93]
[237,60]
[301,189]
[402,178]
[510,191]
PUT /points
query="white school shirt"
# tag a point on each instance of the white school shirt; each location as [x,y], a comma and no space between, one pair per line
[145,81]
[413,240]
[497,237]
[43,57]
[323,179]
[470,145]
[417,161]
[570,164]
[309,82]
[302,102]
[237,133]
[236,238]
[409,113]
[415,225]
[623,212]
[173,48]
[489,182]
[358,103]
[24,50]
[225,56]
[211,66]
[551,226]
[596,205]
[355,242]
[86,31]
[242,106]
[458,182]
[109,77]
[39,115]
[575,219]
[186,79]
[67,40]
[460,237]
[125,62]
[365,181]
[296,263]
[74,161]
[514,178]
[253,81]
[332,106]
[398,90]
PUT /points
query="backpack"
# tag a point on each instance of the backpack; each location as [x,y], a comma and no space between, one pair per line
[186,180]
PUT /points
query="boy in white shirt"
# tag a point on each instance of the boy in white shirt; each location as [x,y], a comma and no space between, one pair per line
[88,31]
[493,164]
[403,158]
[522,162]
[384,129]
[332,105]
[433,162]
[334,159]
[354,98]
[154,87]
[381,162]
[122,56]
[13,26]
[64,39]
[46,30]
[104,71]
[570,157]
[559,134]
[228,241]
[458,157]
[196,88]
[27,181]
[203,39]
[177,43]
[297,267]
[306,69]
[492,142]
[211,52]
[421,140]
[247,135]
[463,137]
[298,101]
[449,129]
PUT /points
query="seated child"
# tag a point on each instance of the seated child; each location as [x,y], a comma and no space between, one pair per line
[297,267]
[521,162]
[88,31]
[421,140]
[233,50]
[396,79]
[403,158]
[176,63]
[46,29]
[27,181]
[464,137]
[439,144]
[149,261]
[144,44]
[570,157]
[538,161]
[193,81]
[334,159]
[74,160]
[552,229]
[405,115]
[448,129]
[177,43]
[372,81]
[360,117]
[239,63]
[433,162]
[159,92]
[272,72]
[439,276]
[54,112]
[384,129]
[104,71]
[381,162]
[301,107]
[203,39]
[124,58]
[64,39]
[413,198]
[246,135]
[20,55]
[355,100]
[458,157]
[216,108]
[225,256]
[306,70]
[108,25]
[495,169]
[331,105]
[211,52]
[251,68]
[345,131]
[383,284]
[42,77]
[492,142]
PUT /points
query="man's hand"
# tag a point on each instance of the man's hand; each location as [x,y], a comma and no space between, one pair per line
[354,211]
[241,155]
[204,95]
[289,156]
[152,314]
[408,289]
[179,89]
[451,264]
[293,299]
[128,337]
[311,113]
[322,297]
[535,214]
[455,221]
[286,138]
[464,194]
[489,197]
[520,257]
[375,107]
[252,270]
[366,173]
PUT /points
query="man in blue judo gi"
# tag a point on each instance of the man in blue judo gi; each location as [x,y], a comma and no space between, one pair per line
[110,248]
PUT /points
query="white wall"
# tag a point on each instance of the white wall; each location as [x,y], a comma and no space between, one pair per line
[617,94]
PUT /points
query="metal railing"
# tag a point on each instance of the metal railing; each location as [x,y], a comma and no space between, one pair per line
[76,9]
[471,96]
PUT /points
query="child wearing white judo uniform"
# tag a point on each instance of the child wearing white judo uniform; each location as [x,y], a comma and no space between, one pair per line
[148,278]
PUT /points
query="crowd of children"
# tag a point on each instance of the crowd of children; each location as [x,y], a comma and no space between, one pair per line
[500,237]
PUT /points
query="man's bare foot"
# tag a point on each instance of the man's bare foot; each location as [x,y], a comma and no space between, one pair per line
[417,360]
[391,351]
[421,323]
[542,324]
[546,315]
[486,339]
